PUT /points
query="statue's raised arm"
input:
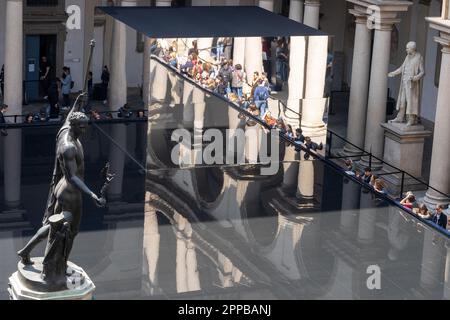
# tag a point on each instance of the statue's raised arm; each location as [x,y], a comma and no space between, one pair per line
[80,101]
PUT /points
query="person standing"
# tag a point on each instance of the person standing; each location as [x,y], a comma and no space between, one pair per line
[237,81]
[2,80]
[44,73]
[66,86]
[3,108]
[105,83]
[260,97]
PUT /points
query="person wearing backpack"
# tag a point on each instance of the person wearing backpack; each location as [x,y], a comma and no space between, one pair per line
[66,86]
[260,97]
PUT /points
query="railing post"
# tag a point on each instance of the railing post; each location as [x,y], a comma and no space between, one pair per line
[330,140]
[370,160]
[402,184]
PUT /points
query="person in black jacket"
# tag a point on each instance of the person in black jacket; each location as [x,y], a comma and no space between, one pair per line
[440,218]
[2,80]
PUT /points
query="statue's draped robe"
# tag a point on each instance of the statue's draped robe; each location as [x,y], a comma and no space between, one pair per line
[409,93]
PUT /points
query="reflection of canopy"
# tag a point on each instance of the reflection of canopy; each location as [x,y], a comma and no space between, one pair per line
[214,21]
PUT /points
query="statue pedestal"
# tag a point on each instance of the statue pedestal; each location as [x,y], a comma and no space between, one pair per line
[27,284]
[403,148]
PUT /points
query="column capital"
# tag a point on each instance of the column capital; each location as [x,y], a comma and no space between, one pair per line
[443,26]
[360,17]
[381,14]
[312,3]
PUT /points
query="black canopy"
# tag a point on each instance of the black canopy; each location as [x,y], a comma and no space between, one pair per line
[211,21]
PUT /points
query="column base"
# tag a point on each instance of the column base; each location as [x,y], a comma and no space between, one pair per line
[432,198]
[364,162]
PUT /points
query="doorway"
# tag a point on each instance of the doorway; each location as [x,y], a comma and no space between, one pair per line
[36,47]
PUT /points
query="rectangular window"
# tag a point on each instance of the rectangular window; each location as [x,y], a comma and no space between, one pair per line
[42,3]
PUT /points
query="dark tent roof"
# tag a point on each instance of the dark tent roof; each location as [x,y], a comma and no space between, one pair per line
[211,21]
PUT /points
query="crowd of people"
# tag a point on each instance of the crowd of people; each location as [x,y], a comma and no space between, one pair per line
[408,201]
[228,80]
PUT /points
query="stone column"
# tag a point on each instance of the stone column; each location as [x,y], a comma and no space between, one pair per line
[296,80]
[253,57]
[312,10]
[382,21]
[239,51]
[13,98]
[107,37]
[359,89]
[296,10]
[314,103]
[440,161]
[376,107]
[203,44]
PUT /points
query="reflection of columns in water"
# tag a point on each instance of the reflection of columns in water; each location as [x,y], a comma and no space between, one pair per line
[447,273]
[305,186]
[181,263]
[433,260]
[151,242]
[198,99]
[296,10]
[283,252]
[314,102]
[252,143]
[159,83]
[187,276]
[367,218]
[117,160]
[350,203]
[13,98]
[290,168]
[193,278]
[117,98]
[296,80]
[188,105]
[225,270]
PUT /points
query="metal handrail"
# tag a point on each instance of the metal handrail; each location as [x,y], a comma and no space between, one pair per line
[398,170]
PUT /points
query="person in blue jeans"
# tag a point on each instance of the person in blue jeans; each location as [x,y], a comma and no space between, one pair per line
[260,97]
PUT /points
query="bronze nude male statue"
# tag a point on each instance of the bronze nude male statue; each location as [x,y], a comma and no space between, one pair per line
[67,185]
[62,216]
